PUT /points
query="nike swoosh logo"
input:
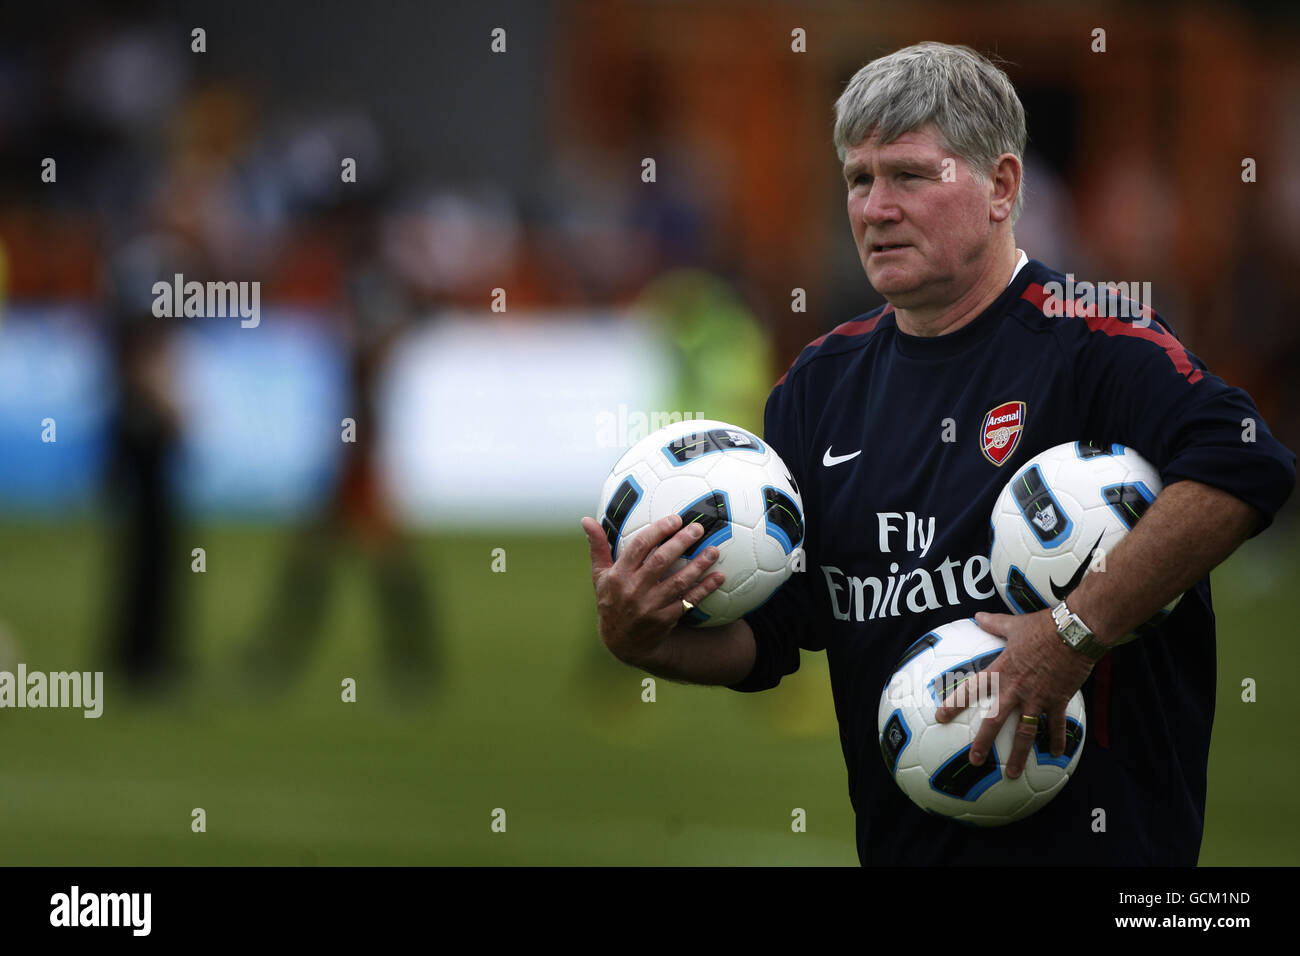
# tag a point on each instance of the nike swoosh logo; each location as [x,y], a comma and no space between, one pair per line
[1062,592]
[828,459]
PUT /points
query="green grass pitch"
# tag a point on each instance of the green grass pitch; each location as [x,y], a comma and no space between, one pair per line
[530,716]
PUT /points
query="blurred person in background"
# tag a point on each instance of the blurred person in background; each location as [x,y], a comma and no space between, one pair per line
[356,513]
[148,555]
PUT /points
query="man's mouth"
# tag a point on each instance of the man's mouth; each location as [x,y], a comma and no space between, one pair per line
[887,246]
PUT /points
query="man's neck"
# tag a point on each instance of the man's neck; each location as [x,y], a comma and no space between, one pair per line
[942,320]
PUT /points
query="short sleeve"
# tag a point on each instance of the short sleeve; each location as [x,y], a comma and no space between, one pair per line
[786,621]
[1145,390]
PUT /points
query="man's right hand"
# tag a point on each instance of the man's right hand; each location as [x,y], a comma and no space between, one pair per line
[637,601]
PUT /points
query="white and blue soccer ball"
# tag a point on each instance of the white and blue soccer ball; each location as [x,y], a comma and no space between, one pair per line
[1060,515]
[731,482]
[930,761]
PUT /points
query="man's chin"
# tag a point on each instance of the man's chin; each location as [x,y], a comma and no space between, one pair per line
[896,285]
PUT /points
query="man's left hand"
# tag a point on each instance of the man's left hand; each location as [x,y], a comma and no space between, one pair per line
[1037,673]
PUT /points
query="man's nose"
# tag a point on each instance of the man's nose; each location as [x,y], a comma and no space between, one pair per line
[880,205]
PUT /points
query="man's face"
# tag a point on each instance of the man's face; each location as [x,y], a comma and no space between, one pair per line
[922,241]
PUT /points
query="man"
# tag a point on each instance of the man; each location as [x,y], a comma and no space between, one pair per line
[932,138]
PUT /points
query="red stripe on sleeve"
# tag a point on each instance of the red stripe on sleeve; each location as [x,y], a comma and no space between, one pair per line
[861,327]
[1109,325]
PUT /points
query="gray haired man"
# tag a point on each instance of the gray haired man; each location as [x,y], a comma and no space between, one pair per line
[932,139]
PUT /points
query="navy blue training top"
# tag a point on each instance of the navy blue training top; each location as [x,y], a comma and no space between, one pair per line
[912,500]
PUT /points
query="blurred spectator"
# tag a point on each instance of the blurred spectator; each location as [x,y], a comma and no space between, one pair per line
[356,515]
[148,556]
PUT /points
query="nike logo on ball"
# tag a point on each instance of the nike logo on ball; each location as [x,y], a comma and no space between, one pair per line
[828,459]
[1062,592]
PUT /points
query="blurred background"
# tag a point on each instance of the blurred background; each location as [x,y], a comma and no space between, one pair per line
[208,529]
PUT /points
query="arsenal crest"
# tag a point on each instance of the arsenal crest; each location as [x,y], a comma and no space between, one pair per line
[1000,433]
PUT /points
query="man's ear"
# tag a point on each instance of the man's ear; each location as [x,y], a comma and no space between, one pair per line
[1006,187]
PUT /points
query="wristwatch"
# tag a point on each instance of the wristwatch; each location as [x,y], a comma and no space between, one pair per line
[1077,634]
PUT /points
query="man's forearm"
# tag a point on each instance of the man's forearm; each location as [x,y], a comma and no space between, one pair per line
[1188,531]
[704,655]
